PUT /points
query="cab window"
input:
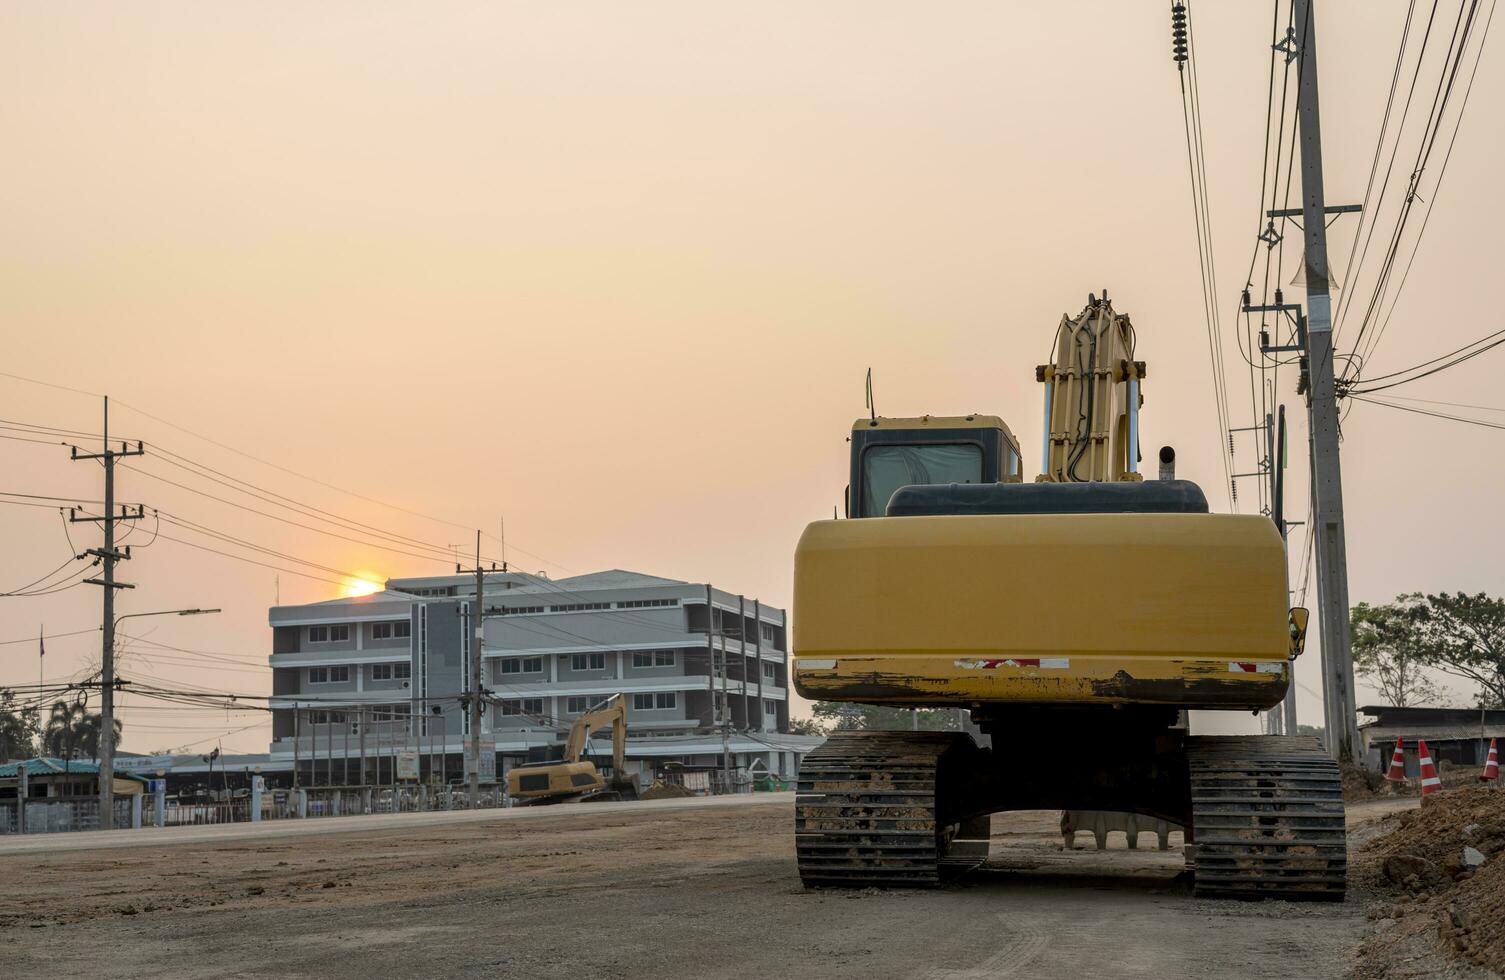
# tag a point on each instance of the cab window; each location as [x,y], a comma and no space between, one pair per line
[887,468]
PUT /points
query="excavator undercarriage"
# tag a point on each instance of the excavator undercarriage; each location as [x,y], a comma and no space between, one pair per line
[1264,814]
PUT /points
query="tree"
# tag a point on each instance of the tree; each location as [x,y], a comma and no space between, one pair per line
[806,726]
[73,731]
[1464,636]
[1387,652]
[60,736]
[17,729]
[89,731]
[844,716]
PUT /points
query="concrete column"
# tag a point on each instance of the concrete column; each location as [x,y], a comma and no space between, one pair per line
[423,797]
[449,797]
[301,796]
[366,800]
[334,806]
[136,811]
[21,793]
[159,802]
[256,791]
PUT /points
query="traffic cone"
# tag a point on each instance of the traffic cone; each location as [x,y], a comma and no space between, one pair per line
[1429,781]
[1397,773]
[1491,764]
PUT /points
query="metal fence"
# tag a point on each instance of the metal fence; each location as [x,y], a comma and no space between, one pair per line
[63,815]
[82,813]
[193,814]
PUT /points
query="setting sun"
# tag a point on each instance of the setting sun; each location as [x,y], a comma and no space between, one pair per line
[362,585]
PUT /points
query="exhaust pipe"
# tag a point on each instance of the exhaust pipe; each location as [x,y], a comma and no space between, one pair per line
[1167,463]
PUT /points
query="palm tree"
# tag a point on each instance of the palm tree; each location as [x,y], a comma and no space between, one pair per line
[89,729]
[60,736]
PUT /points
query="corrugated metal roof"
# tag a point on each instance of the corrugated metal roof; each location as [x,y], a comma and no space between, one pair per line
[1438,733]
[46,766]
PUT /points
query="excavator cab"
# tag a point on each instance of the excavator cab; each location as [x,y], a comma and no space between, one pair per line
[888,454]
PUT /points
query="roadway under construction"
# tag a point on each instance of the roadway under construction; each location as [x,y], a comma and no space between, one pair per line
[702,887]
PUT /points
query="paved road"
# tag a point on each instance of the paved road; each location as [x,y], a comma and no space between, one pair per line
[411,822]
[701,888]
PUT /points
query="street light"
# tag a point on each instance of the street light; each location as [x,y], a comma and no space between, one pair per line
[107,714]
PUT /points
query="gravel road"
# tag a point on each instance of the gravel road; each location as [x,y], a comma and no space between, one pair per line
[670,889]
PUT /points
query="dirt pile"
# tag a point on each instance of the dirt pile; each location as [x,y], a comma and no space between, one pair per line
[1366,784]
[661,790]
[1447,860]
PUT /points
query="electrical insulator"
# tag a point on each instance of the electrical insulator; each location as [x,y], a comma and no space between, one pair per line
[1233,488]
[1230,444]
[1178,34]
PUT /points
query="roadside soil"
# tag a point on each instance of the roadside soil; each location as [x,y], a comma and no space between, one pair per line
[677,891]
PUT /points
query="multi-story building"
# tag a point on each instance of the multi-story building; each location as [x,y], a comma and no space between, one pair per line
[385,677]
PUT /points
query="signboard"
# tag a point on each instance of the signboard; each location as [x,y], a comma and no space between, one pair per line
[488,760]
[156,785]
[407,766]
[136,763]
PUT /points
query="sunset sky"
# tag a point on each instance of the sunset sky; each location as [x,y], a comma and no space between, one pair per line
[614,273]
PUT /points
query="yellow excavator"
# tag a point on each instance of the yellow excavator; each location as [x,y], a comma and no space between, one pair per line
[570,778]
[1077,618]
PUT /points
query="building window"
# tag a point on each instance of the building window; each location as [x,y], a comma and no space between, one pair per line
[588,661]
[646,603]
[318,634]
[577,705]
[770,709]
[770,672]
[768,632]
[663,701]
[318,675]
[328,717]
[399,630]
[523,665]
[340,633]
[523,706]
[653,658]
[580,607]
[387,672]
[519,610]
[339,674]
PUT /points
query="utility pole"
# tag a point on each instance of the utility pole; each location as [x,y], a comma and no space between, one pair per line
[478,620]
[1327,476]
[108,556]
[1278,510]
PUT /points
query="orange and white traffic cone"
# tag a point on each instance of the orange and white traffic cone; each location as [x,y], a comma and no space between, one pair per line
[1429,781]
[1491,764]
[1397,773]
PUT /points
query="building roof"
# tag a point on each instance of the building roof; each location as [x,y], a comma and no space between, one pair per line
[616,578]
[1389,714]
[48,766]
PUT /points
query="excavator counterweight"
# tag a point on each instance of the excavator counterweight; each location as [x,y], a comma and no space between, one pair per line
[1078,619]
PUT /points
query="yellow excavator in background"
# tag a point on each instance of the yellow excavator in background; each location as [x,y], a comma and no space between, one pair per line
[1078,618]
[569,778]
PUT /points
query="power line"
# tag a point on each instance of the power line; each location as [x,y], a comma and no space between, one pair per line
[1435,415]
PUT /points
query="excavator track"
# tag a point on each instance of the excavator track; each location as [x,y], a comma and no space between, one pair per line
[868,812]
[1267,818]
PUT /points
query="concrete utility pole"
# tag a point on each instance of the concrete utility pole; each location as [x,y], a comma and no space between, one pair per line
[1278,511]
[478,620]
[108,556]
[1341,717]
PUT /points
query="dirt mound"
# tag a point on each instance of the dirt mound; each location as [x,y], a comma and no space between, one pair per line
[661,790]
[1448,859]
[1365,784]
